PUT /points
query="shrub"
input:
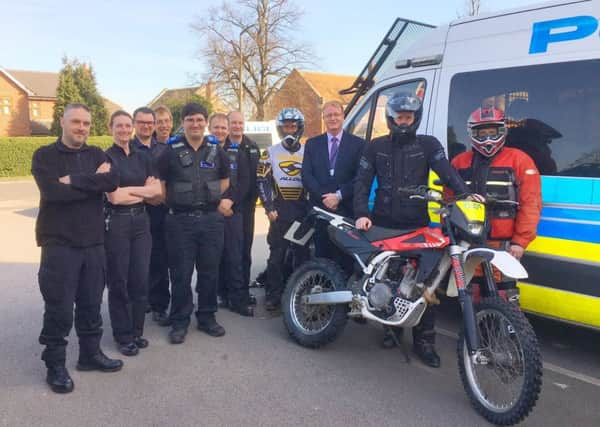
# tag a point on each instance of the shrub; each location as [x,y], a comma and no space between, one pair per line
[16,152]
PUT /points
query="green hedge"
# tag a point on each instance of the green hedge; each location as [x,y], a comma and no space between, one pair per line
[16,153]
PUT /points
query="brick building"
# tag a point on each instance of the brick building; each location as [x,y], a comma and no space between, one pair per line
[308,91]
[27,101]
[207,91]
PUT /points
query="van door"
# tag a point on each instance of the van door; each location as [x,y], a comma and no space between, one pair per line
[368,119]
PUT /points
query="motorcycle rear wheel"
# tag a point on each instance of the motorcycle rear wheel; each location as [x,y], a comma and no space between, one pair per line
[505,390]
[313,326]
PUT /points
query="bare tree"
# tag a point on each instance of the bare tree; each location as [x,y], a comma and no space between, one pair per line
[471,8]
[254,38]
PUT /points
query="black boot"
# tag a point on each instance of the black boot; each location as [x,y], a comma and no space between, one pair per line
[99,362]
[272,306]
[426,352]
[161,317]
[140,342]
[177,335]
[128,349]
[392,337]
[424,338]
[242,309]
[210,326]
[59,380]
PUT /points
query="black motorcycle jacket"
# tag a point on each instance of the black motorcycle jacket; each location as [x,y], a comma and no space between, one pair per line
[399,164]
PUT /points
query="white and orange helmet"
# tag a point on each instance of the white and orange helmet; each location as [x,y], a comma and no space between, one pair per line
[484,117]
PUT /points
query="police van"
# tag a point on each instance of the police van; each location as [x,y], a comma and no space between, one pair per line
[541,65]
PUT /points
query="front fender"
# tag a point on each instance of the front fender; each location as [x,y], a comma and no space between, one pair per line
[502,260]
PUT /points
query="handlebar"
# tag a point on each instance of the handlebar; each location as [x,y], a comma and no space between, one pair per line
[426,193]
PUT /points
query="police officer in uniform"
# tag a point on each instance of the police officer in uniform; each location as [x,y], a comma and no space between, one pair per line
[280,188]
[232,289]
[127,237]
[195,171]
[144,122]
[251,154]
[403,159]
[71,177]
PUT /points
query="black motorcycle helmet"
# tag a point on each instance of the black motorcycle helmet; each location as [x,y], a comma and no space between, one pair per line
[290,142]
[403,102]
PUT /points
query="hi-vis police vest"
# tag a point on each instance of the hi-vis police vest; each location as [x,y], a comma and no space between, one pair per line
[287,171]
[195,181]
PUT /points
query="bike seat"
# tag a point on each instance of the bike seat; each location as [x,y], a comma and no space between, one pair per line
[381,233]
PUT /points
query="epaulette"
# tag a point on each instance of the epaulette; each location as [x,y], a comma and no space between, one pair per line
[174,140]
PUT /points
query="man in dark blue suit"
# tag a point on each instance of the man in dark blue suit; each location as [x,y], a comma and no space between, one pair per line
[328,172]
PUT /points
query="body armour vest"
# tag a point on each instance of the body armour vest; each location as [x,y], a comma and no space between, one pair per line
[194,182]
[287,171]
[500,184]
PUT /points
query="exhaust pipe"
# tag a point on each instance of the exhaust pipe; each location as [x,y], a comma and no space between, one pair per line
[327,298]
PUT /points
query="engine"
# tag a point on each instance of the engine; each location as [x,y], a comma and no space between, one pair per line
[394,282]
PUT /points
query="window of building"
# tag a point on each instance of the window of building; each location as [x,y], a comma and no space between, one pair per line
[552,110]
[5,105]
[35,109]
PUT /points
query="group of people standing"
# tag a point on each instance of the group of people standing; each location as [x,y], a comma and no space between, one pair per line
[142,216]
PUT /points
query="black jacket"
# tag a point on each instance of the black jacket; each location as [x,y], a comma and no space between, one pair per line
[251,153]
[239,190]
[316,175]
[71,214]
[398,164]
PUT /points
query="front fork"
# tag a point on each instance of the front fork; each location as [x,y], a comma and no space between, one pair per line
[465,299]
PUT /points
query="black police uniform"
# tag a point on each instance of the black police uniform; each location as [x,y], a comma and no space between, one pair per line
[194,226]
[249,149]
[70,231]
[159,295]
[128,244]
[232,288]
[403,163]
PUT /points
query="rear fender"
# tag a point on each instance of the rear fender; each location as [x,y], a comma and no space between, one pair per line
[502,260]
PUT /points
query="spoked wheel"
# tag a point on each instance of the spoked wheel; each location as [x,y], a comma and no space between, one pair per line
[504,384]
[313,325]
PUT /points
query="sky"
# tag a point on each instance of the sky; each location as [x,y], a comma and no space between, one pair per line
[139,47]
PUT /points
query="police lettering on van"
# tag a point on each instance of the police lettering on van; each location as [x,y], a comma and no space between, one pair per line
[547,32]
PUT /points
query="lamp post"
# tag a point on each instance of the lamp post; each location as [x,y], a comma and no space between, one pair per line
[241,69]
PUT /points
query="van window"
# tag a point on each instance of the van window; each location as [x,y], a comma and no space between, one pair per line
[359,124]
[552,110]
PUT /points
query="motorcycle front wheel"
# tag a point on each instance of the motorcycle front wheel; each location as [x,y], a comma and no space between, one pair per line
[505,387]
[314,325]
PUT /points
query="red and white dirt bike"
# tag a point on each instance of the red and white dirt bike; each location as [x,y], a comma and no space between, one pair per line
[400,272]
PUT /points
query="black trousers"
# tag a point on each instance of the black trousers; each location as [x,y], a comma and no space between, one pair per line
[424,332]
[248,210]
[159,294]
[128,245]
[232,287]
[70,276]
[284,257]
[194,240]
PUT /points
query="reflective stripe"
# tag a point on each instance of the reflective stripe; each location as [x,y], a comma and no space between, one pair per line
[560,304]
[566,248]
